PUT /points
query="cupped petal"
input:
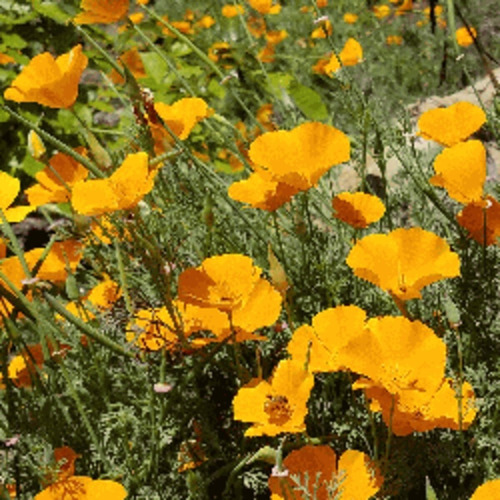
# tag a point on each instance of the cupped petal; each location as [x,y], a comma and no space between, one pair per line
[453,124]
[461,170]
[301,156]
[358,209]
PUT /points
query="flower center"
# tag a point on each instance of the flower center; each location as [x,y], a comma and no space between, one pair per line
[278,409]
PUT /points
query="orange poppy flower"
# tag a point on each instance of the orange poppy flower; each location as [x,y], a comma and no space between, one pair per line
[289,162]
[482,220]
[9,189]
[421,411]
[314,469]
[381,11]
[154,329]
[103,296]
[6,59]
[48,81]
[324,29]
[132,59]
[275,407]
[322,344]
[358,209]
[352,53]
[232,284]
[403,261]
[181,117]
[265,6]
[350,18]
[394,40]
[83,488]
[464,38]
[22,368]
[299,157]
[65,458]
[262,190]
[63,256]
[121,191]
[398,355]
[487,491]
[55,181]
[205,22]
[232,10]
[405,7]
[451,125]
[101,11]
[461,170]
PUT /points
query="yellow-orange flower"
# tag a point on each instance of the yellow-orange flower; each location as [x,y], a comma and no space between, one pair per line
[403,261]
[451,125]
[232,10]
[180,117]
[322,345]
[487,491]
[358,209]
[315,470]
[398,355]
[9,189]
[22,369]
[55,181]
[324,29]
[286,162]
[48,81]
[121,191]
[464,38]
[83,488]
[275,407]
[421,411]
[381,11]
[394,40]
[101,11]
[482,220]
[232,284]
[350,18]
[352,53]
[132,59]
[265,6]
[461,170]
[301,156]
[6,59]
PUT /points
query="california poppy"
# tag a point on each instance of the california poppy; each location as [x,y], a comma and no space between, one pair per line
[83,488]
[55,180]
[265,6]
[358,209]
[48,81]
[461,170]
[232,284]
[403,261]
[464,37]
[9,189]
[487,491]
[121,191]
[313,472]
[277,406]
[451,125]
[322,345]
[101,11]
[482,220]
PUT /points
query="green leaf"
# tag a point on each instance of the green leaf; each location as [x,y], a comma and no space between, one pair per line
[452,311]
[13,41]
[216,89]
[31,166]
[308,101]
[155,66]
[430,494]
[51,10]
[277,82]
